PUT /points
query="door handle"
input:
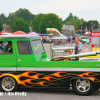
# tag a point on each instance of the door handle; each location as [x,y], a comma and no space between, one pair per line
[19,60]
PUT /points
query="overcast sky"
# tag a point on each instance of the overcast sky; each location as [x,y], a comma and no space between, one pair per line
[86,9]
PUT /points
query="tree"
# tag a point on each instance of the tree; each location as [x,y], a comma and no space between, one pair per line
[75,22]
[75,17]
[35,22]
[49,21]
[21,25]
[24,14]
[20,13]
[2,18]
[86,25]
[11,19]
[95,23]
[1,26]
[70,17]
[61,20]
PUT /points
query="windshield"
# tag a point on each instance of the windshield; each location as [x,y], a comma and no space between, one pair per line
[37,46]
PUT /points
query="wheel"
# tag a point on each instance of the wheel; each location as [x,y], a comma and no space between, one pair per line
[83,86]
[8,84]
[83,42]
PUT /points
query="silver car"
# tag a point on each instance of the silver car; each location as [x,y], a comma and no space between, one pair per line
[85,39]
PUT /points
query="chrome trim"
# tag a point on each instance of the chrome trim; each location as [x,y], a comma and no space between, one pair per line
[60,69]
[51,69]
[7,69]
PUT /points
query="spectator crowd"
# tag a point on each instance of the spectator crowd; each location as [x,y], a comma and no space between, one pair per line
[70,39]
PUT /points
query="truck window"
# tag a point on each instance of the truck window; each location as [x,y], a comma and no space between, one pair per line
[6,47]
[37,46]
[24,47]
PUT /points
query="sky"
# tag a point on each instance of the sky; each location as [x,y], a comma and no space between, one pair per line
[86,9]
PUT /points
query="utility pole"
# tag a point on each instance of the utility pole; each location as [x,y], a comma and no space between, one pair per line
[92,27]
[81,29]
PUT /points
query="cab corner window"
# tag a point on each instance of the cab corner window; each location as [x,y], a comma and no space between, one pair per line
[37,46]
[6,47]
[24,47]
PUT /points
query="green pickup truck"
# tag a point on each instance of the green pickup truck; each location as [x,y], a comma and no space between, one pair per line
[27,65]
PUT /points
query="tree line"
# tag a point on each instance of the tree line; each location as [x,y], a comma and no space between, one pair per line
[23,18]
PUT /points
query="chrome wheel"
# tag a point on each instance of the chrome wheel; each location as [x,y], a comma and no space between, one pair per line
[8,83]
[83,85]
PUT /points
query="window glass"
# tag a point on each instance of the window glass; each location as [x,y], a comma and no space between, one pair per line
[37,46]
[6,47]
[24,47]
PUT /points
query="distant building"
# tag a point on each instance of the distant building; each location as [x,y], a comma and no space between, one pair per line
[68,29]
[6,28]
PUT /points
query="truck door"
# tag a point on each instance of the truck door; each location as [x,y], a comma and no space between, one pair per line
[7,58]
[24,54]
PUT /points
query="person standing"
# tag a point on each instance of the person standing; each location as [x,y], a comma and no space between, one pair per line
[43,38]
[69,39]
[78,44]
[73,39]
[79,38]
[77,47]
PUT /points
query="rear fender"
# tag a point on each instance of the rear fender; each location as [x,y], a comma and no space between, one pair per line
[11,75]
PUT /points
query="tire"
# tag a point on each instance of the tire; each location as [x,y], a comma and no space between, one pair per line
[8,84]
[83,42]
[82,86]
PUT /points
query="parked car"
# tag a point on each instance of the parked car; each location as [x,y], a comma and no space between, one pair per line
[7,34]
[85,39]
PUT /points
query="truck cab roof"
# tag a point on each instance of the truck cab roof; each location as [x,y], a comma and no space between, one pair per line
[19,36]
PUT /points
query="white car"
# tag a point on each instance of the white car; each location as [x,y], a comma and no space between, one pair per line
[85,39]
[7,34]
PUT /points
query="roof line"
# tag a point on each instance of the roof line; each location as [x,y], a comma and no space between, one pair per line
[19,36]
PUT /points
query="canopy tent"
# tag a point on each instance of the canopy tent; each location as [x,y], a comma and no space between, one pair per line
[87,33]
[33,33]
[59,37]
[19,33]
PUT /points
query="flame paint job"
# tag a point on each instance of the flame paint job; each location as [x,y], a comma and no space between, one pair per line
[49,79]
